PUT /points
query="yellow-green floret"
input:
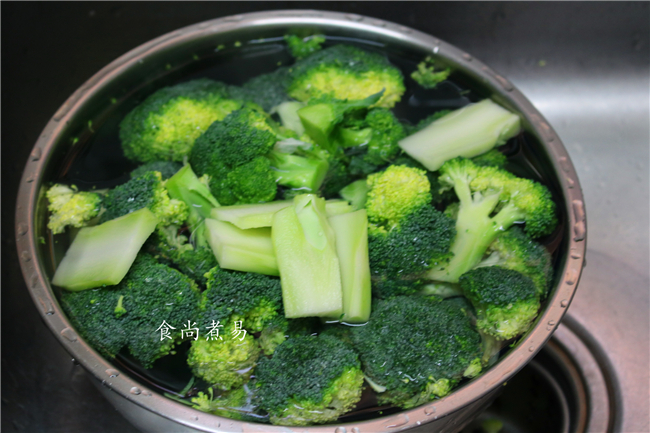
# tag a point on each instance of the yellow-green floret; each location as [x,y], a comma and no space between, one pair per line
[69,207]
[345,72]
[165,126]
[224,363]
[235,404]
[415,349]
[309,380]
[505,300]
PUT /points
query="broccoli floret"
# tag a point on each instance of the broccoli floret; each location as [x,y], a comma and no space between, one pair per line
[346,73]
[406,235]
[491,158]
[232,152]
[505,301]
[429,74]
[278,329]
[491,201]
[302,47]
[439,197]
[421,358]
[297,172]
[149,294]
[309,380]
[165,126]
[166,168]
[147,191]
[515,250]
[235,404]
[266,90]
[226,361]
[69,207]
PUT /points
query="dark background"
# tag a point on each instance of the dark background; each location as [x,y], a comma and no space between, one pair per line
[50,49]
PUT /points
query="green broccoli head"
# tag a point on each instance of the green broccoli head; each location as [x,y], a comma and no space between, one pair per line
[309,380]
[515,250]
[429,74]
[493,158]
[255,299]
[302,47]
[165,126]
[346,73]
[506,302]
[166,168]
[69,207]
[491,201]
[232,152]
[149,294]
[147,191]
[416,348]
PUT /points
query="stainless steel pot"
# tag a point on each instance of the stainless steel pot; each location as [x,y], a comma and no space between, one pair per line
[175,52]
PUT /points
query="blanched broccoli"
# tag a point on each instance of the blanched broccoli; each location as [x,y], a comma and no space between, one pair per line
[429,74]
[166,168]
[417,348]
[346,73]
[515,250]
[491,201]
[69,207]
[406,235]
[309,380]
[491,158]
[165,125]
[149,293]
[147,191]
[506,301]
[266,90]
[302,47]
[235,404]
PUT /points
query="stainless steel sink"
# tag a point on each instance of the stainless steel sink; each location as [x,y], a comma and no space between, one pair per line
[585,66]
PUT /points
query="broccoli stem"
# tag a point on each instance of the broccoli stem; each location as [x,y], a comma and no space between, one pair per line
[305,248]
[298,172]
[288,112]
[475,231]
[102,255]
[356,193]
[351,230]
[469,131]
[241,250]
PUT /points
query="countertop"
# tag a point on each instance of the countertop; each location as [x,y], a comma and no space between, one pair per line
[583,65]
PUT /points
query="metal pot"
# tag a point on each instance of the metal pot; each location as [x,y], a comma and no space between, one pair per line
[179,52]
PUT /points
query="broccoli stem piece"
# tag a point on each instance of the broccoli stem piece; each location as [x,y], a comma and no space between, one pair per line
[241,250]
[248,216]
[351,231]
[468,132]
[305,248]
[356,193]
[102,255]
[288,112]
[119,308]
[298,172]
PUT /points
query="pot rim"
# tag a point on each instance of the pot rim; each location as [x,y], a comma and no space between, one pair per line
[111,376]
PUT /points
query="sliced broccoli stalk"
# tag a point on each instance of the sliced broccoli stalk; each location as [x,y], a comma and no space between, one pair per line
[320,118]
[288,112]
[102,255]
[356,193]
[491,201]
[297,172]
[242,250]
[351,231]
[248,216]
[351,137]
[305,248]
[468,132]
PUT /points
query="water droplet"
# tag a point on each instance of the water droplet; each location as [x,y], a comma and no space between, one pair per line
[69,334]
[398,421]
[46,306]
[340,430]
[579,228]
[26,256]
[564,164]
[196,418]
[146,393]
[429,410]
[22,229]
[355,429]
[551,323]
[549,328]
[531,349]
[564,303]
[36,154]
[354,17]
[504,83]
[135,390]
[234,18]
[571,277]
[112,372]
[436,48]
[575,254]
[30,179]
[570,182]
[467,57]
